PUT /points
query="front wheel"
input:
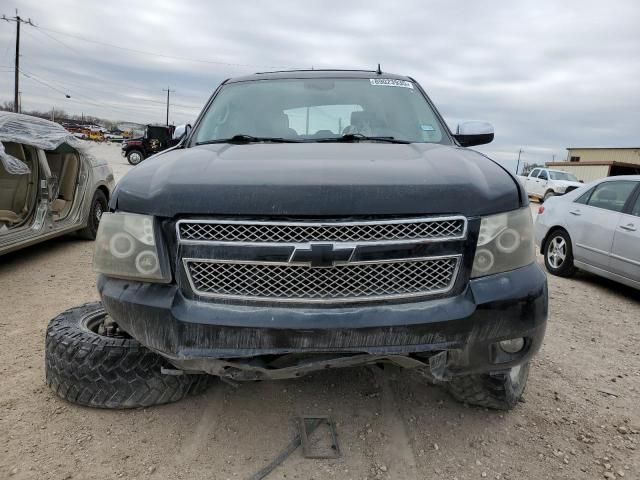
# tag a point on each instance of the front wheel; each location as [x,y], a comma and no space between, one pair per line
[548,195]
[558,255]
[501,390]
[134,157]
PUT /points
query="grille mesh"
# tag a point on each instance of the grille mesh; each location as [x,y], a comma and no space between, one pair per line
[340,232]
[342,282]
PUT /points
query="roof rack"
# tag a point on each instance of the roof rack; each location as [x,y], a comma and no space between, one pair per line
[317,70]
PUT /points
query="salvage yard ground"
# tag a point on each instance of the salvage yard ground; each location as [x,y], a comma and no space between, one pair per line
[580,417]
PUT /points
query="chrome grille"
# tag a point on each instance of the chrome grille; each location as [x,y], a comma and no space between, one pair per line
[340,283]
[435,229]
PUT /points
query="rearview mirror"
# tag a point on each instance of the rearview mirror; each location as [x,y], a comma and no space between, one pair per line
[181,131]
[473,133]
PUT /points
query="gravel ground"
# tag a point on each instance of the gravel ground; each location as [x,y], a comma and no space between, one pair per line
[580,417]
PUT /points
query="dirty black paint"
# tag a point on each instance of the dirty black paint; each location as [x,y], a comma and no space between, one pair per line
[319,180]
[490,309]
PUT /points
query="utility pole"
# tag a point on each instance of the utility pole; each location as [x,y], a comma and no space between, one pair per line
[19,102]
[18,21]
[518,164]
[168,90]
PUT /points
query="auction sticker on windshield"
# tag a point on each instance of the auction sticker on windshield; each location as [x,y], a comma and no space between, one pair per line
[390,82]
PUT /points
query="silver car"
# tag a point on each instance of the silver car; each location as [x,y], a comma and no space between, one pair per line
[595,228]
[49,184]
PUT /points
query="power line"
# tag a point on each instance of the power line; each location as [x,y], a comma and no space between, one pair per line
[58,41]
[116,83]
[32,77]
[76,93]
[162,55]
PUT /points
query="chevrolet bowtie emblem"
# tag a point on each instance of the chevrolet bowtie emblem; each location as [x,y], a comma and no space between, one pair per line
[321,255]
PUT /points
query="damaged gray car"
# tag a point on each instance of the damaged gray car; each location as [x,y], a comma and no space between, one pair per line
[49,184]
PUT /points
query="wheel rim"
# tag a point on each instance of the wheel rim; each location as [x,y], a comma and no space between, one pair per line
[557,252]
[135,158]
[101,324]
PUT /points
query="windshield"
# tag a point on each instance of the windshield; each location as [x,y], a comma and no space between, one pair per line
[321,109]
[562,176]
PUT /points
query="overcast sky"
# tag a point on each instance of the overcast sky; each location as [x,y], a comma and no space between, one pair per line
[547,74]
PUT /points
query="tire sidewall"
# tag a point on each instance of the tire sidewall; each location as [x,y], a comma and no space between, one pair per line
[99,200]
[133,153]
[567,265]
[74,322]
[86,368]
[91,230]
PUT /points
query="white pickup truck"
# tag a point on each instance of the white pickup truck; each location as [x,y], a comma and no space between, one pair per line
[543,183]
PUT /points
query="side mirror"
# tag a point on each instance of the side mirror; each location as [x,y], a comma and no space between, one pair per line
[180,132]
[469,134]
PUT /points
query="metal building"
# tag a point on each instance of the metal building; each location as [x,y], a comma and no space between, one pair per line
[593,163]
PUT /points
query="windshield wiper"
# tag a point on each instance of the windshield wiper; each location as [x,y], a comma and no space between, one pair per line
[358,137]
[242,138]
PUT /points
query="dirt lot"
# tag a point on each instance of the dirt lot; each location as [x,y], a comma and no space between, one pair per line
[580,417]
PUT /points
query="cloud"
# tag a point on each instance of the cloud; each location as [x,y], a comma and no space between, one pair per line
[547,74]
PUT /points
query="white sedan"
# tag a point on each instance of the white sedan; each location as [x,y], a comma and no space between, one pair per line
[595,228]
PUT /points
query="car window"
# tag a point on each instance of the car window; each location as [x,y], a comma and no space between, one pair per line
[563,176]
[327,119]
[535,172]
[584,197]
[319,109]
[635,210]
[611,195]
[543,175]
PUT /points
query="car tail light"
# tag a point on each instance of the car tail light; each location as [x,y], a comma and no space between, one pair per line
[540,209]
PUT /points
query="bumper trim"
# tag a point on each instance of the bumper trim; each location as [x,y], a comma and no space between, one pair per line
[490,309]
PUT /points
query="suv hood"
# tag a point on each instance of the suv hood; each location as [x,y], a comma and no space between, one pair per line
[567,183]
[318,179]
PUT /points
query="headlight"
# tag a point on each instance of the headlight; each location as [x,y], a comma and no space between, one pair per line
[561,188]
[126,248]
[505,243]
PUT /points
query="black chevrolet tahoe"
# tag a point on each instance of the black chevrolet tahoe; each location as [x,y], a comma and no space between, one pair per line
[309,220]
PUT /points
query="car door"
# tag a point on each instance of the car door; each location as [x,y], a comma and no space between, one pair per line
[625,253]
[541,184]
[532,181]
[594,217]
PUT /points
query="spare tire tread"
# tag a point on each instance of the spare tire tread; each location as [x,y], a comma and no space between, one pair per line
[106,372]
[495,390]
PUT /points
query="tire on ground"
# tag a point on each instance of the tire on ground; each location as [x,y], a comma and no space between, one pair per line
[548,195]
[95,370]
[134,157]
[91,230]
[500,391]
[566,268]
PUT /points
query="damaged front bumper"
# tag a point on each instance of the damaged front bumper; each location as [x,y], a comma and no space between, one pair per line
[451,336]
